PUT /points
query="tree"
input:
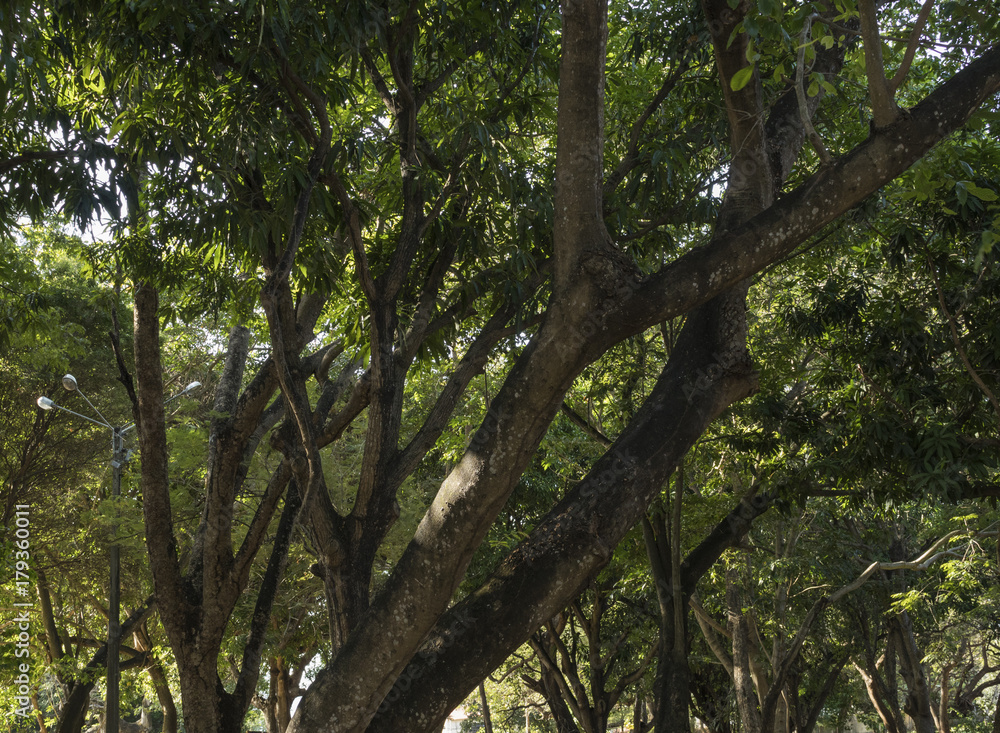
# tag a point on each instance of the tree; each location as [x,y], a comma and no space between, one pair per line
[418,140]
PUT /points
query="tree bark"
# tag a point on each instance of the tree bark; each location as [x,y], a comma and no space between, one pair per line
[747,701]
[671,685]
[918,698]
[485,704]
[159,679]
[195,609]
[598,301]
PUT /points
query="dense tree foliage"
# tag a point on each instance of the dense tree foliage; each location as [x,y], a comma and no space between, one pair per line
[514,320]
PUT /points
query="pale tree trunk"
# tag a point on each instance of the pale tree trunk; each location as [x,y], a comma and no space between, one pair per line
[883,706]
[747,702]
[918,698]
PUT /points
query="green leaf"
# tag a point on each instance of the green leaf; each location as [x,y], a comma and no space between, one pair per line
[741,78]
[983,194]
[773,8]
[962,192]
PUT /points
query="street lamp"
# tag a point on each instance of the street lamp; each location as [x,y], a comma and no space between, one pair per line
[118,458]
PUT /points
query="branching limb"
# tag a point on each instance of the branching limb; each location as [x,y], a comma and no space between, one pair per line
[353,221]
[581,422]
[546,661]
[912,45]
[711,629]
[378,80]
[470,365]
[923,562]
[634,676]
[800,94]
[631,158]
[884,107]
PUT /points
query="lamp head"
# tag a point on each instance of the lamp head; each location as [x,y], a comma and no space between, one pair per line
[45,403]
[192,386]
[69,382]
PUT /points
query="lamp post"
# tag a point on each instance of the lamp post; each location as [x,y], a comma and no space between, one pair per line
[118,458]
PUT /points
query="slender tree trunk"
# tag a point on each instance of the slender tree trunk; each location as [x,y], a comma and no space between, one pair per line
[165,698]
[806,720]
[487,719]
[557,704]
[883,707]
[39,716]
[918,698]
[639,722]
[670,686]
[159,679]
[283,695]
[710,695]
[746,693]
[74,712]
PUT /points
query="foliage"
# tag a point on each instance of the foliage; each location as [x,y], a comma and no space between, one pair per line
[439,363]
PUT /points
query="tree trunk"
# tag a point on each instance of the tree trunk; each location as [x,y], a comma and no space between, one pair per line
[670,686]
[557,705]
[74,713]
[918,698]
[283,695]
[165,698]
[711,697]
[885,708]
[996,718]
[806,719]
[747,701]
[639,724]
[418,595]
[487,719]
[270,705]
[159,679]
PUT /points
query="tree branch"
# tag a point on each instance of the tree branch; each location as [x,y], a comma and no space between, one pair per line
[800,94]
[911,46]
[884,107]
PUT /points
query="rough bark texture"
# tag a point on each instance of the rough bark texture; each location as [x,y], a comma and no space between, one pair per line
[918,699]
[598,300]
[747,702]
[195,608]
[580,528]
[671,688]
